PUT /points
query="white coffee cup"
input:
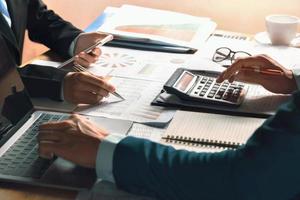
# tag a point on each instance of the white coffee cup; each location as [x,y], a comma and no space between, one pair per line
[282,29]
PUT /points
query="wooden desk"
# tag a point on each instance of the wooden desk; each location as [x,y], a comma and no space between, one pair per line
[245,16]
[21,192]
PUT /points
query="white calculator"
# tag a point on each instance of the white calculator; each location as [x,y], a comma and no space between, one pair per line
[203,87]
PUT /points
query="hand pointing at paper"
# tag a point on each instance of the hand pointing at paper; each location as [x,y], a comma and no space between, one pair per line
[82,87]
[262,70]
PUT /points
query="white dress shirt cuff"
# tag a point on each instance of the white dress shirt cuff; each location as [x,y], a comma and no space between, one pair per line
[73,45]
[104,160]
[296,74]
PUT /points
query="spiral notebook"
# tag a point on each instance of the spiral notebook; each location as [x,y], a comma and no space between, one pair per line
[209,132]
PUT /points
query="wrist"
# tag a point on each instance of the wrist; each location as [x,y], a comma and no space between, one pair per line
[65,88]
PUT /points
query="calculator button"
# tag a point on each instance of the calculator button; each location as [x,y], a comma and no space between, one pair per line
[202,94]
[230,90]
[210,95]
[225,96]
[236,93]
[212,92]
[218,96]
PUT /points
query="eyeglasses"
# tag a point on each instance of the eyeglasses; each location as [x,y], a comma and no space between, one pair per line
[224,53]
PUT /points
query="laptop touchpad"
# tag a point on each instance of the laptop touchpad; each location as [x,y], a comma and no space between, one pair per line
[67,174]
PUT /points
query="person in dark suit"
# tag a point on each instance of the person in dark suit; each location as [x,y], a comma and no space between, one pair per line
[46,27]
[266,167]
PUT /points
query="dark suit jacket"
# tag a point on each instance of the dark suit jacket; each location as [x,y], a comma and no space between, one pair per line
[266,168]
[45,27]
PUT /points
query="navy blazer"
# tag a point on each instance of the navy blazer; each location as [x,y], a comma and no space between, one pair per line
[46,27]
[266,168]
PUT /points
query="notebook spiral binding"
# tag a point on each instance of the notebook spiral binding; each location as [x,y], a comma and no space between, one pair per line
[189,141]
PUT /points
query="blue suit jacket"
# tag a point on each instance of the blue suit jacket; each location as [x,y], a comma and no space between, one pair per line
[267,167]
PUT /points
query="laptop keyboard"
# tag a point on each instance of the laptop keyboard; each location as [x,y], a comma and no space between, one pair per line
[22,159]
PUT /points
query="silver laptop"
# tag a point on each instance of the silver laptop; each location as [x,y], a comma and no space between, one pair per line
[19,122]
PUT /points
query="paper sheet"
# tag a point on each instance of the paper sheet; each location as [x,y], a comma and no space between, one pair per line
[136,107]
[159,25]
[146,132]
[145,65]
[259,100]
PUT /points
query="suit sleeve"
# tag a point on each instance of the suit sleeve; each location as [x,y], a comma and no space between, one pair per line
[296,74]
[46,27]
[267,167]
[43,81]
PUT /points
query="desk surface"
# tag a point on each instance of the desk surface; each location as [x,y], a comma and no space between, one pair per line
[234,15]
[10,191]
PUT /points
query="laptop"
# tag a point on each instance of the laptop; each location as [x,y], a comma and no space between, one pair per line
[19,122]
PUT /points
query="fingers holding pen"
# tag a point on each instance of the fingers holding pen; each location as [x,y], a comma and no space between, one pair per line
[86,88]
[96,81]
[256,64]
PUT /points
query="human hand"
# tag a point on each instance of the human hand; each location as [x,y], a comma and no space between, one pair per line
[76,139]
[84,41]
[263,70]
[85,88]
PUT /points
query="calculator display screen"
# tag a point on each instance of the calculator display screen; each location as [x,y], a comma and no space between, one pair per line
[184,81]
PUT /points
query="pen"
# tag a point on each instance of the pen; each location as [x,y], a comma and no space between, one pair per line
[88,50]
[273,72]
[79,68]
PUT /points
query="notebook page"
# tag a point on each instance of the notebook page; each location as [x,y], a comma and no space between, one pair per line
[213,127]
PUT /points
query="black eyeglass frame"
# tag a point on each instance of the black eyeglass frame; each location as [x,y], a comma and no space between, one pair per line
[230,55]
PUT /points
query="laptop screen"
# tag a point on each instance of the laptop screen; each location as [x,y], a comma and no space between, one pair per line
[14,101]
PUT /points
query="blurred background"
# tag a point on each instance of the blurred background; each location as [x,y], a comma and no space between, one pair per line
[246,16]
